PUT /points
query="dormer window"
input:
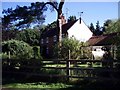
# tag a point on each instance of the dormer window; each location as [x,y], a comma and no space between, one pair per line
[47,40]
[55,38]
[41,41]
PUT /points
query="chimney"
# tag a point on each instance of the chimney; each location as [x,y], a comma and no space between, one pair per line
[80,16]
[80,20]
[63,19]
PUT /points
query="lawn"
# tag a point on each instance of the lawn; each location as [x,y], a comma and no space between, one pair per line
[82,85]
[80,65]
[37,85]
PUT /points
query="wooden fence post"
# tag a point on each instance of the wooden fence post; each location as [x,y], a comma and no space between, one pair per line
[9,54]
[68,66]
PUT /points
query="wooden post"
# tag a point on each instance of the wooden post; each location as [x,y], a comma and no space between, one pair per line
[68,66]
[9,54]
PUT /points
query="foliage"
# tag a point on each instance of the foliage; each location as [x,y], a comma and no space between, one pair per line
[39,85]
[24,16]
[51,26]
[92,28]
[18,49]
[53,72]
[71,18]
[118,53]
[36,50]
[30,36]
[98,30]
[9,34]
[70,45]
[3,55]
[112,26]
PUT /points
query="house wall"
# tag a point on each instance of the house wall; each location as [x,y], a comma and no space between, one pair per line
[98,52]
[80,31]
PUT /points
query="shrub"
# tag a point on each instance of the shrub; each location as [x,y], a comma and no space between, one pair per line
[18,49]
[29,36]
[77,49]
[36,50]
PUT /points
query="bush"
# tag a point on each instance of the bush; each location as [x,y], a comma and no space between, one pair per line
[30,36]
[77,49]
[18,49]
[36,50]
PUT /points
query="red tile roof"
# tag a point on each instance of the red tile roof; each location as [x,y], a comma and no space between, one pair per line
[106,39]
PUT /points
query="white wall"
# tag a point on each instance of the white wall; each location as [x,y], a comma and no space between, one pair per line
[97,52]
[80,31]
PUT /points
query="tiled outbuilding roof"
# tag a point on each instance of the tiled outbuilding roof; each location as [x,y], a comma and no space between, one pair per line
[106,39]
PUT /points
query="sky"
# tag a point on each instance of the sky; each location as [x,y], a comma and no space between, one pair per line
[92,11]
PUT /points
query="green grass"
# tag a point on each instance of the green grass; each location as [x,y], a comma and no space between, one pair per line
[80,65]
[36,85]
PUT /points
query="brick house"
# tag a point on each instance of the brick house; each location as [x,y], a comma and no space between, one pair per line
[77,29]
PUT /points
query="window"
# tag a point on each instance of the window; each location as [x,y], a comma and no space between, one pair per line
[47,50]
[41,41]
[63,35]
[55,38]
[47,40]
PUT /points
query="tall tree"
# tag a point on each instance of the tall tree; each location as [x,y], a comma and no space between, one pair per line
[30,36]
[24,16]
[71,18]
[92,28]
[112,26]
[58,8]
[52,25]
[98,30]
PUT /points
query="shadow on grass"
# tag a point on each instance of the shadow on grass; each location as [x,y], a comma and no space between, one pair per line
[78,85]
[95,85]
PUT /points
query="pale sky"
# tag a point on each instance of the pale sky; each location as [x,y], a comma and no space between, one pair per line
[93,11]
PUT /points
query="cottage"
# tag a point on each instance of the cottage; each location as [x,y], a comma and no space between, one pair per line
[77,29]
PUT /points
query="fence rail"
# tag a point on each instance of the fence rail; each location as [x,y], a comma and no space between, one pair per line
[71,68]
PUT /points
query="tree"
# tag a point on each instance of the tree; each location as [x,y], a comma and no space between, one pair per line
[75,48]
[58,8]
[9,34]
[71,18]
[112,26]
[98,30]
[107,22]
[51,26]
[92,28]
[30,36]
[22,17]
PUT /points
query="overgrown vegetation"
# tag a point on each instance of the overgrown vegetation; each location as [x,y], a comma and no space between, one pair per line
[30,36]
[17,49]
[73,49]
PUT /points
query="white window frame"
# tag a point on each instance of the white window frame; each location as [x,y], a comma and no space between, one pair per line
[63,35]
[42,41]
[47,40]
[47,50]
[54,38]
